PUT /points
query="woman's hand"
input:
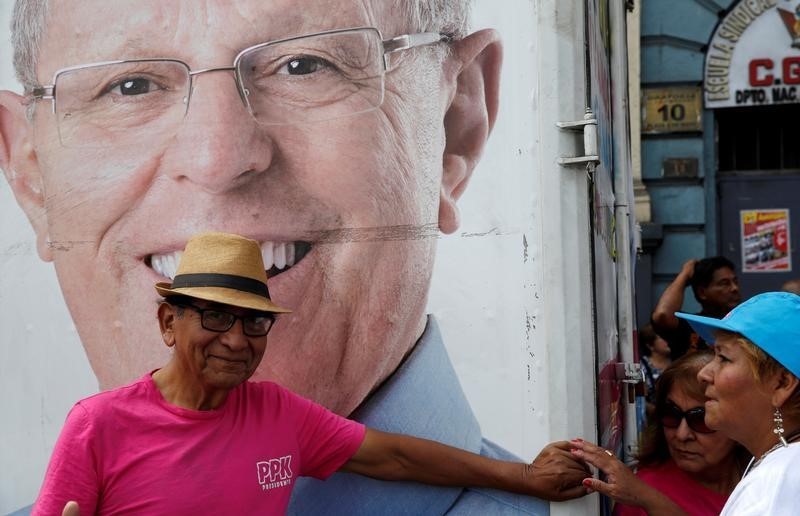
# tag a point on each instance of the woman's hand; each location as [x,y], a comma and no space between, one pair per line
[621,484]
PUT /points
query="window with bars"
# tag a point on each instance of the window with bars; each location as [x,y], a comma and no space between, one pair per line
[759,139]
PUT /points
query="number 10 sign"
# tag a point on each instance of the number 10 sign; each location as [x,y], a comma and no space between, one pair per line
[671,110]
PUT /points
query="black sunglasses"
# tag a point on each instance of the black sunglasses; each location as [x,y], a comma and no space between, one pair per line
[220,321]
[671,417]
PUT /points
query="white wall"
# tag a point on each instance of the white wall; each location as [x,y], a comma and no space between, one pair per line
[483,285]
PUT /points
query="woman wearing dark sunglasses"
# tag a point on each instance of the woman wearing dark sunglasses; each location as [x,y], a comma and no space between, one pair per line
[696,467]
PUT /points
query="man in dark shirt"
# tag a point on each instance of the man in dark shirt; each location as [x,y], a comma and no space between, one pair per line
[714,285]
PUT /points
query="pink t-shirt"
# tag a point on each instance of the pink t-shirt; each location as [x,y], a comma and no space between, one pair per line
[129,451]
[692,497]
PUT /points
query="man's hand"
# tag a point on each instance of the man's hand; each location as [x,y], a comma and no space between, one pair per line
[71,509]
[555,474]
[687,271]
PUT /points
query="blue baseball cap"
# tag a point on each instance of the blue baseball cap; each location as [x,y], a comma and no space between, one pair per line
[771,321]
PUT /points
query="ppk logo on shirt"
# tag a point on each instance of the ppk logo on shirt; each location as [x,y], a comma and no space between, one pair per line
[275,473]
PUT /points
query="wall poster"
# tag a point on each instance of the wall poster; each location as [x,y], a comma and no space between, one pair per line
[765,241]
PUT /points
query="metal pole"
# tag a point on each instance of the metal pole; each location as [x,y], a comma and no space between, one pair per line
[623,195]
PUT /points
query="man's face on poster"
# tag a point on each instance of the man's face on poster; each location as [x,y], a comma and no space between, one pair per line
[347,209]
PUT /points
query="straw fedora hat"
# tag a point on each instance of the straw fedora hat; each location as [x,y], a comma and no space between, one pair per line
[223,268]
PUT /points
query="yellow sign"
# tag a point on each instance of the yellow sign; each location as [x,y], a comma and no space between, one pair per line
[671,110]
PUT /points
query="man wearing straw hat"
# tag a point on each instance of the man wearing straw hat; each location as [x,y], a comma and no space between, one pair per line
[196,437]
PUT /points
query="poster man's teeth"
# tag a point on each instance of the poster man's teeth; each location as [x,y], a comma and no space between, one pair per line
[166,264]
[278,254]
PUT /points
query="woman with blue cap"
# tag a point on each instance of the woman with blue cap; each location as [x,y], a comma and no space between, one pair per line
[752,386]
[753,391]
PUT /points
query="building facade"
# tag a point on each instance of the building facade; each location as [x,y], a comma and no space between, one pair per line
[720,153]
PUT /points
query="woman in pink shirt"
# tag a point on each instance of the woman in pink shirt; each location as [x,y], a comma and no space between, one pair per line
[696,467]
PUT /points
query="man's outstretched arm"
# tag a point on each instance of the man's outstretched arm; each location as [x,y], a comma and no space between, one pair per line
[554,475]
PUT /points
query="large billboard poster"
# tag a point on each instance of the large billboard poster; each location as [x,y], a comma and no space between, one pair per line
[351,216]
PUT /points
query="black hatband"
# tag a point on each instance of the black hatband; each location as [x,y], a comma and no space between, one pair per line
[221,280]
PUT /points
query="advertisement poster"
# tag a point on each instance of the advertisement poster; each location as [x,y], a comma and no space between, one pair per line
[377,245]
[765,241]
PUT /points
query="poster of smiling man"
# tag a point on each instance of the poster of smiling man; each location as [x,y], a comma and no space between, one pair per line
[396,162]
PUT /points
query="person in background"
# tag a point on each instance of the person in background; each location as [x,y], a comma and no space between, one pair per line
[693,466]
[715,287]
[655,357]
[753,396]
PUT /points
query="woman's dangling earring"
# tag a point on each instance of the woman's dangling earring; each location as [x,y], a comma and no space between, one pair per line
[778,430]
